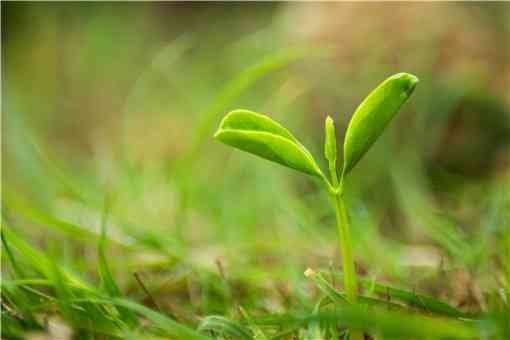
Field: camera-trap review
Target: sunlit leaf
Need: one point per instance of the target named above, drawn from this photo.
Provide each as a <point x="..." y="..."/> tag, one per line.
<point x="330" y="142"/>
<point x="374" y="114"/>
<point x="261" y="136"/>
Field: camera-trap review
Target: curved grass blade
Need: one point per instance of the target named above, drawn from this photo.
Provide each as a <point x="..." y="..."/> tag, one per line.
<point x="16" y="269"/>
<point x="258" y="333"/>
<point x="107" y="278"/>
<point x="314" y="330"/>
<point x="326" y="287"/>
<point x="22" y="206"/>
<point x="380" y="320"/>
<point x="410" y="298"/>
<point x="64" y="296"/>
<point x="336" y="297"/>
<point x="260" y="135"/>
<point x="373" y="115"/>
<point x="172" y="328"/>
<point x="168" y="327"/>
<point x="37" y="259"/>
<point x="225" y="327"/>
<point x="21" y="302"/>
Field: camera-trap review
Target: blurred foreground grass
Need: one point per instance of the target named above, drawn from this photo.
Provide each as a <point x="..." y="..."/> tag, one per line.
<point x="121" y="218"/>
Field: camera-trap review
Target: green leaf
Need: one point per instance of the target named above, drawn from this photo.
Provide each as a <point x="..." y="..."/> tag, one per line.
<point x="373" y="115"/>
<point x="261" y="136"/>
<point x="330" y="148"/>
<point x="330" y="142"/>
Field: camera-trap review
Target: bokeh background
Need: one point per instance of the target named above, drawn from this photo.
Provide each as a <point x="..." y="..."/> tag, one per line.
<point x="112" y="107"/>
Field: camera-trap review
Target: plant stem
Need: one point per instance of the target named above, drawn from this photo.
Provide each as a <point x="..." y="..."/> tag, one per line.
<point x="332" y="172"/>
<point x="350" y="277"/>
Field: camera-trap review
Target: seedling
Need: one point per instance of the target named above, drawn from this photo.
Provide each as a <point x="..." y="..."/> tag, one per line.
<point x="260" y="135"/>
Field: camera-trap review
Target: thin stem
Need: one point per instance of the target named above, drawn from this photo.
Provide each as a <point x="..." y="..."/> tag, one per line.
<point x="350" y="277"/>
<point x="332" y="172"/>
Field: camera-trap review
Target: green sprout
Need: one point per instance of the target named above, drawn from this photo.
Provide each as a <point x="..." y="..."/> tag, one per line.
<point x="260" y="135"/>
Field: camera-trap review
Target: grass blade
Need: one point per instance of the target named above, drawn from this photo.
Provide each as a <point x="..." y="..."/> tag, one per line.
<point x="325" y="287"/>
<point x="107" y="278"/>
<point x="410" y="298"/>
<point x="225" y="327"/>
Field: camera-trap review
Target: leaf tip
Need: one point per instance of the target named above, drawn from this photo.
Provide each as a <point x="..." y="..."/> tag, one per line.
<point x="330" y="141"/>
<point x="408" y="81"/>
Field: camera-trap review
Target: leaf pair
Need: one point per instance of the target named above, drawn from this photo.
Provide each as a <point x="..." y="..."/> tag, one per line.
<point x="260" y="135"/>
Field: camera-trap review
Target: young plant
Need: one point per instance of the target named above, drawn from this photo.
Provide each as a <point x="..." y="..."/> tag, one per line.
<point x="260" y="135"/>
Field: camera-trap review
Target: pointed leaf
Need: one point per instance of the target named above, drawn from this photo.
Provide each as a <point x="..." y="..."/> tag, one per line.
<point x="373" y="115"/>
<point x="330" y="142"/>
<point x="261" y="136"/>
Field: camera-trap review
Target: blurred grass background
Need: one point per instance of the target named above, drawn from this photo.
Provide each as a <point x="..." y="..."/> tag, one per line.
<point x="109" y="109"/>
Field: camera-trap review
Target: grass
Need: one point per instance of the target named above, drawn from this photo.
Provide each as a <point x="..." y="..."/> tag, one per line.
<point x="108" y="244"/>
